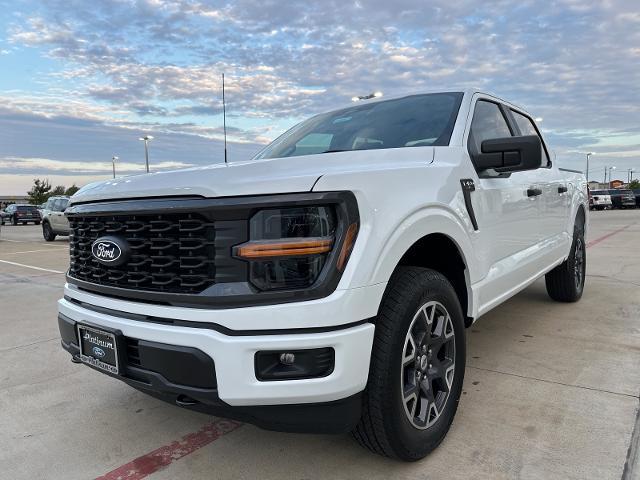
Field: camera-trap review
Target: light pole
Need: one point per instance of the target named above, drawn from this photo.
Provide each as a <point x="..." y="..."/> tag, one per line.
<point x="146" y="139"/>
<point x="630" y="174"/>
<point x="588" y="155"/>
<point x="113" y="162"/>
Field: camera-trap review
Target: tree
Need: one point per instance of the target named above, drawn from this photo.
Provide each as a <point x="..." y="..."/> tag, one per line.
<point x="39" y="192"/>
<point x="634" y="184"/>
<point x="56" y="192"/>
<point x="71" y="190"/>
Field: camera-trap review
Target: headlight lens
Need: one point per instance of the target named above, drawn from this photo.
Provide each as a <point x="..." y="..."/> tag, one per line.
<point x="289" y="247"/>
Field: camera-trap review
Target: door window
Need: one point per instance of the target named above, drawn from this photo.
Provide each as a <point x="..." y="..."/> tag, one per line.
<point x="488" y="123"/>
<point x="527" y="127"/>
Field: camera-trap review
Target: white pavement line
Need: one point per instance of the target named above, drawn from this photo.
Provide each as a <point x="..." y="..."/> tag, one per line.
<point x="14" y="241"/>
<point x="27" y="251"/>
<point x="31" y="266"/>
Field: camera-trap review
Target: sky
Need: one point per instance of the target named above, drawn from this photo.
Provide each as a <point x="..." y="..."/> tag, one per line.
<point x="81" y="81"/>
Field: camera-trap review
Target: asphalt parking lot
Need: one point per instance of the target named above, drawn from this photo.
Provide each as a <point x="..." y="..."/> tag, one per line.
<point x="551" y="390"/>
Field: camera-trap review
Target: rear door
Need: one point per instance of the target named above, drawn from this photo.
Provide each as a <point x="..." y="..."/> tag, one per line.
<point x="55" y="216"/>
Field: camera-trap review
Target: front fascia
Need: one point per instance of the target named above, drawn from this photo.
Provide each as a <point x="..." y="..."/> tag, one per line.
<point x="239" y="292"/>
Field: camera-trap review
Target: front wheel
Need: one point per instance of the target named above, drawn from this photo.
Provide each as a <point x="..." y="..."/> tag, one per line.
<point x="565" y="283"/>
<point x="417" y="366"/>
<point x="47" y="232"/>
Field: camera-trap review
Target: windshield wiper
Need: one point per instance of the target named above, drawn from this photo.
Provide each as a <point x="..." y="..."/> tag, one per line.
<point x="336" y="150"/>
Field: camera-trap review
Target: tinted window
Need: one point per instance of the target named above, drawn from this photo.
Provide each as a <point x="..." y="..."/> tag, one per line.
<point x="488" y="122"/>
<point x="63" y="204"/>
<point x="527" y="127"/>
<point x="414" y="121"/>
<point x="26" y="208"/>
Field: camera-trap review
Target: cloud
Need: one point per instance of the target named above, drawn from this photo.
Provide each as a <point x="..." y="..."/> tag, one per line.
<point x="156" y="64"/>
<point x="46" y="166"/>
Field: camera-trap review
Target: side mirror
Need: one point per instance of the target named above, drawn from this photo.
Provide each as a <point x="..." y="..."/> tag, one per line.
<point x="510" y="154"/>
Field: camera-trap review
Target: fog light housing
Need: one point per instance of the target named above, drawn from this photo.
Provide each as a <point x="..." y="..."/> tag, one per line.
<point x="294" y="364"/>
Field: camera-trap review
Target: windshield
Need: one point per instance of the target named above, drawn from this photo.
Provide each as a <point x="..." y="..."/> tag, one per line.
<point x="414" y="121"/>
<point x="25" y="208"/>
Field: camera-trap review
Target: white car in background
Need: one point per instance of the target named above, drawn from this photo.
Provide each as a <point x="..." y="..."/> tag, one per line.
<point x="54" y="222"/>
<point x="600" y="200"/>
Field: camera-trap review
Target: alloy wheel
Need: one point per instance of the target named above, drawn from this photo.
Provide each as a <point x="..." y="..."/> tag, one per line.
<point x="578" y="262"/>
<point x="428" y="365"/>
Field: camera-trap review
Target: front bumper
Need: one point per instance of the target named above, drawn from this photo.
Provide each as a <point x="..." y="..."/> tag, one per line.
<point x="233" y="357"/>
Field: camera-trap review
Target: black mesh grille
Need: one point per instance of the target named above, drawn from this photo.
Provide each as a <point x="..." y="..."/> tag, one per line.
<point x="170" y="252"/>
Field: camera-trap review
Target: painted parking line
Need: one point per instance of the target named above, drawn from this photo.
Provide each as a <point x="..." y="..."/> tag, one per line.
<point x="160" y="458"/>
<point x="30" y="251"/>
<point x="595" y="241"/>
<point x="31" y="267"/>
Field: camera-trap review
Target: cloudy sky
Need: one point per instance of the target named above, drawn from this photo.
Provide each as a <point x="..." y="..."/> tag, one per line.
<point x="81" y="81"/>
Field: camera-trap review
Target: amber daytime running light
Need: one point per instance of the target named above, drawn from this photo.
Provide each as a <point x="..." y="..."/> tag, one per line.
<point x="302" y="246"/>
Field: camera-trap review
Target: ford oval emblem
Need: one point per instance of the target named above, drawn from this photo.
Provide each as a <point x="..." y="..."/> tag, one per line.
<point x="110" y="250"/>
<point x="98" y="352"/>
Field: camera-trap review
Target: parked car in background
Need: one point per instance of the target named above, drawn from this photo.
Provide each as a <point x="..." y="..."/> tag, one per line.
<point x="636" y="192"/>
<point x="622" y="198"/>
<point x="53" y="220"/>
<point x="599" y="199"/>
<point x="18" y="213"/>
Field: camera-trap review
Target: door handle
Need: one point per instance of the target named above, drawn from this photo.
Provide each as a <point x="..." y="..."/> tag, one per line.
<point x="534" y="192"/>
<point x="562" y="189"/>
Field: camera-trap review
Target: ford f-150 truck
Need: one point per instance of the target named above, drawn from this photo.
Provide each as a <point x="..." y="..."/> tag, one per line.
<point x="325" y="285"/>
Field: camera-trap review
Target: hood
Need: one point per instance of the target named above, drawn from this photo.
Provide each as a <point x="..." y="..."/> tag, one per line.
<point x="256" y="177"/>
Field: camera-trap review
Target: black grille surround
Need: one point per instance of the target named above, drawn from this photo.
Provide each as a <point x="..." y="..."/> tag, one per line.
<point x="170" y="252"/>
<point x="181" y="249"/>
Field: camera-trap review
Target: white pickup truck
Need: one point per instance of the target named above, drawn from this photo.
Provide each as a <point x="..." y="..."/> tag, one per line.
<point x="325" y="285"/>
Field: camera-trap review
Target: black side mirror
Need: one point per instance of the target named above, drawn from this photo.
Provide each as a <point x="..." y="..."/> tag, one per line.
<point x="510" y="154"/>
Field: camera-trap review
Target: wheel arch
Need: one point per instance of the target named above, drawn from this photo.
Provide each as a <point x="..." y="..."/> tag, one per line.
<point x="421" y="239"/>
<point x="439" y="252"/>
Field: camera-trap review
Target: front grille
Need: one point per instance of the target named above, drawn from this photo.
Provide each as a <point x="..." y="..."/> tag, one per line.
<point x="173" y="253"/>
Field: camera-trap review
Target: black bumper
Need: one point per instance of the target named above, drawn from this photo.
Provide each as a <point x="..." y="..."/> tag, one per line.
<point x="185" y="377"/>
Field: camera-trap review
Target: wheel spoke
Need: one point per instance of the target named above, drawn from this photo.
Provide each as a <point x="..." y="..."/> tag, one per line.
<point x="409" y="350"/>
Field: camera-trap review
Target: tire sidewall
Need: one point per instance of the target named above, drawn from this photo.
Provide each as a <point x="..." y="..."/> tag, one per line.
<point x="414" y="442"/>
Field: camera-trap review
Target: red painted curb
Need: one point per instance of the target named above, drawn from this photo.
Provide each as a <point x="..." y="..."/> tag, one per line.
<point x="604" y="237"/>
<point x="164" y="456"/>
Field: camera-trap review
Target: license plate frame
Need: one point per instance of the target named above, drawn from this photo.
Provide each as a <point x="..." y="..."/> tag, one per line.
<point x="99" y="340"/>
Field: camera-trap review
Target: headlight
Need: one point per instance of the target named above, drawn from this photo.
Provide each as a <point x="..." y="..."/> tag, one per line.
<point x="289" y="247"/>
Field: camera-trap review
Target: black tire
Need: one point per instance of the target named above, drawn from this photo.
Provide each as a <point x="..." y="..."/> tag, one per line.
<point x="385" y="426"/>
<point x="37" y="223"/>
<point x="47" y="232"/>
<point x="565" y="283"/>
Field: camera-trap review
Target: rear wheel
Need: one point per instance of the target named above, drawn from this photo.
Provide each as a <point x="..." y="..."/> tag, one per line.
<point x="565" y="283"/>
<point x="417" y="367"/>
<point x="47" y="232"/>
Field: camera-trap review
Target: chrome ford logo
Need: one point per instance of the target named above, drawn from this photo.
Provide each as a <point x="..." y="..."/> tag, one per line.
<point x="110" y="250"/>
<point x="98" y="352"/>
